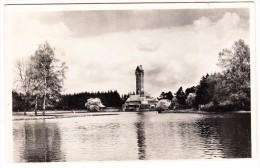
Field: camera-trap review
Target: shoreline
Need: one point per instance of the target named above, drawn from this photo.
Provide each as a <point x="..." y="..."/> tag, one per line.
<point x="56" y="115"/>
<point x="18" y="116"/>
<point x="202" y="112"/>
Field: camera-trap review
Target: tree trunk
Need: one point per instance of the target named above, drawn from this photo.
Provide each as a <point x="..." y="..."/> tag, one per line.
<point x="43" y="107"/>
<point x="35" y="108"/>
<point x="25" y="104"/>
<point x="44" y="96"/>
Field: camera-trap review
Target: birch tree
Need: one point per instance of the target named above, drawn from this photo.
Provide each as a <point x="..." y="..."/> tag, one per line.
<point x="48" y="74"/>
<point x="41" y="77"/>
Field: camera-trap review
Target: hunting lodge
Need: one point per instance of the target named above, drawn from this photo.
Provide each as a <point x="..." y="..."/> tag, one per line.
<point x="141" y="101"/>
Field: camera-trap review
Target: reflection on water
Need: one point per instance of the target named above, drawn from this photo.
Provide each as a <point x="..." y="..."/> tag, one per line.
<point x="233" y="134"/>
<point x="140" y="127"/>
<point x="40" y="142"/>
<point x="132" y="136"/>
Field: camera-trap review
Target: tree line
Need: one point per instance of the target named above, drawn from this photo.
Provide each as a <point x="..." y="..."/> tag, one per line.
<point x="77" y="101"/>
<point x="39" y="82"/>
<point x="223" y="91"/>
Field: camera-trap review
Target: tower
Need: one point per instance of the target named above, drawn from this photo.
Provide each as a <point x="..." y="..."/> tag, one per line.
<point x="139" y="73"/>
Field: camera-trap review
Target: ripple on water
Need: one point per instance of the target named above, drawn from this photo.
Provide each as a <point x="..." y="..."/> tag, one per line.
<point x="133" y="136"/>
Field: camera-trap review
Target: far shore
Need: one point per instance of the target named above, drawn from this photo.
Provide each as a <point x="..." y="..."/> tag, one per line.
<point x="83" y="113"/>
<point x="201" y="111"/>
<point x="56" y="114"/>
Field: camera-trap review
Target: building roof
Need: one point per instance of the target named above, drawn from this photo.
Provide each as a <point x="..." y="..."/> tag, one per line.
<point x="135" y="98"/>
<point x="144" y="102"/>
<point x="139" y="98"/>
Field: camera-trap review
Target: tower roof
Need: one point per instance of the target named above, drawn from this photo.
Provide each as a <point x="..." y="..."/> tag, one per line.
<point x="139" y="68"/>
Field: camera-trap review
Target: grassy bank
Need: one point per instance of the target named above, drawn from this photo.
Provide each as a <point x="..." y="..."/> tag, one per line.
<point x="185" y="111"/>
<point x="69" y="114"/>
<point x="55" y="114"/>
<point x="201" y="111"/>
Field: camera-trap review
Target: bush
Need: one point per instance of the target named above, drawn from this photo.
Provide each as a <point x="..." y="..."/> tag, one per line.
<point x="93" y="104"/>
<point x="163" y="104"/>
<point x="222" y="107"/>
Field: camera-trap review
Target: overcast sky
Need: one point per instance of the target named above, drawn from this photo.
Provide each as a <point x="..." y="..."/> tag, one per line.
<point x="103" y="48"/>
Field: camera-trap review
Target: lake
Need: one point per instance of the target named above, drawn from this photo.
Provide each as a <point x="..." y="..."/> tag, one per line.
<point x="133" y="136"/>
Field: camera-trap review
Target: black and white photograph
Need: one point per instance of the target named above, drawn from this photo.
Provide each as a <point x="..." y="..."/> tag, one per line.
<point x="130" y="82"/>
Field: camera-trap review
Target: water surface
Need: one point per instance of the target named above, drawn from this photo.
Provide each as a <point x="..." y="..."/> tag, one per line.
<point x="133" y="136"/>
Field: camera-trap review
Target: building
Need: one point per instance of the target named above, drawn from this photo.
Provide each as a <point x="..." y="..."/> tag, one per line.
<point x="141" y="101"/>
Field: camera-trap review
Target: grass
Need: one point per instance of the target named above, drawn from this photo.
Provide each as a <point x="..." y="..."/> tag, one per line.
<point x="54" y="115"/>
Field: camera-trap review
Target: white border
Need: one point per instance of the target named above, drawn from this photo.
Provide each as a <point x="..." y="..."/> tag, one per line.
<point x="187" y="163"/>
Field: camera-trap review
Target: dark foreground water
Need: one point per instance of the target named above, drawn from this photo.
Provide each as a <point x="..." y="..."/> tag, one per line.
<point x="133" y="136"/>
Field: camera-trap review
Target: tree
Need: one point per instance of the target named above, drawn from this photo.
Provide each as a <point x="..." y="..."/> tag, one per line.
<point x="169" y="96"/>
<point x="162" y="96"/>
<point x="205" y="91"/>
<point x="77" y="100"/>
<point x="49" y="73"/>
<point x="180" y="95"/>
<point x="23" y="82"/>
<point x="18" y="102"/>
<point x="41" y="76"/>
<point x="175" y="103"/>
<point x="230" y="89"/>
<point x="190" y="101"/>
<point x="236" y="59"/>
<point x="166" y="95"/>
<point x="236" y="70"/>
<point x="190" y="90"/>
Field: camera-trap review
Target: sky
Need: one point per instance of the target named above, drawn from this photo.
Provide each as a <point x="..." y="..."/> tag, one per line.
<point x="102" y="49"/>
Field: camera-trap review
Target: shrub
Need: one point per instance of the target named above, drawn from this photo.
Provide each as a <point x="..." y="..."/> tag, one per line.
<point x="93" y="104"/>
<point x="163" y="104"/>
<point x="221" y="107"/>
